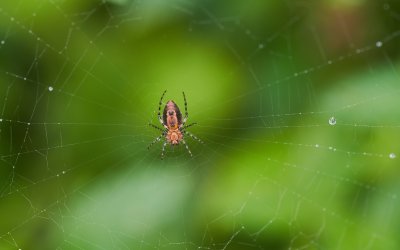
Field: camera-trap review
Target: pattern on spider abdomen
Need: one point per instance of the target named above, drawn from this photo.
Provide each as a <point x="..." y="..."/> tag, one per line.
<point x="172" y="116"/>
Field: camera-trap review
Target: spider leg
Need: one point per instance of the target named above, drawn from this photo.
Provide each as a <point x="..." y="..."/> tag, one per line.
<point x="187" y="126"/>
<point x="187" y="147"/>
<point x="156" y="140"/>
<point x="159" y="109"/>
<point x="193" y="137"/>
<point x="163" y="150"/>
<point x="154" y="126"/>
<point x="186" y="112"/>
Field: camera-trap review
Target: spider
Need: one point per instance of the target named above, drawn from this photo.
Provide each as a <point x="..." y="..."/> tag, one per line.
<point x="174" y="127"/>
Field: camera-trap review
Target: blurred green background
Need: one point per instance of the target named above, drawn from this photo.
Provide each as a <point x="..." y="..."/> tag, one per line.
<point x="297" y="103"/>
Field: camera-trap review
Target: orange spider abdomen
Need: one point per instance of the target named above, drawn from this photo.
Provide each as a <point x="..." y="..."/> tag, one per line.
<point x="172" y="117"/>
<point x="172" y="122"/>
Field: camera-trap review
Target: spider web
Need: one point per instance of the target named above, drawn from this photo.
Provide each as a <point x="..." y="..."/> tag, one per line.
<point x="298" y="112"/>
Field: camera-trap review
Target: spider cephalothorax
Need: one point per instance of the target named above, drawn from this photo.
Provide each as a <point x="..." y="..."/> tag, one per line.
<point x="174" y="136"/>
<point x="174" y="126"/>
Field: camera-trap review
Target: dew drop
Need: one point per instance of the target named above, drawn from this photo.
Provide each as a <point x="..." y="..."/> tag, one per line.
<point x="332" y="121"/>
<point x="261" y="46"/>
<point x="50" y="88"/>
<point x="392" y="155"/>
<point x="3" y="42"/>
<point x="379" y="44"/>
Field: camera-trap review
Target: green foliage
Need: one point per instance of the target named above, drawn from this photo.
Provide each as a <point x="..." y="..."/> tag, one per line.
<point x="81" y="80"/>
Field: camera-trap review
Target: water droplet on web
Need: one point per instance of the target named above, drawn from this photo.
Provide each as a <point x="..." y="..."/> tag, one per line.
<point x="3" y="42"/>
<point x="392" y="155"/>
<point x="12" y="19"/>
<point x="24" y="78"/>
<point x="317" y="145"/>
<point x="379" y="44"/>
<point x="332" y="121"/>
<point x="1" y="120"/>
<point x="50" y="88"/>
